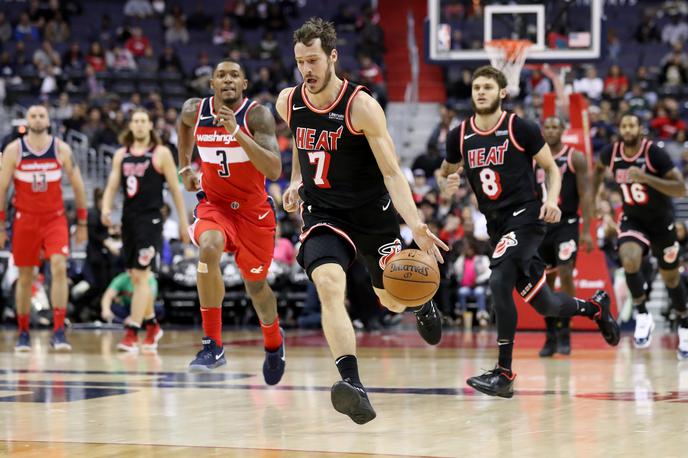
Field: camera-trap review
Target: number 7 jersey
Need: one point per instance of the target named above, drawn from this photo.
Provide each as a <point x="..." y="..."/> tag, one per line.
<point x="640" y="201"/>
<point x="227" y="173"/>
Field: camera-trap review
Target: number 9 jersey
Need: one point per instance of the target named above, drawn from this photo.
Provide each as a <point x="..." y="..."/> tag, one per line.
<point x="227" y="173"/>
<point x="497" y="162"/>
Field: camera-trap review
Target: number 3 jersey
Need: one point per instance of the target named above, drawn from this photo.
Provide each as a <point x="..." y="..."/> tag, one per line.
<point x="227" y="173"/>
<point x="498" y="162"/>
<point x="37" y="179"/>
<point x="640" y="201"/>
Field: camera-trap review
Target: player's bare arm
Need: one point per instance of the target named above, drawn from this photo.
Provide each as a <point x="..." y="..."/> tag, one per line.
<point x="671" y="184"/>
<point x="290" y="199"/>
<point x="586" y="197"/>
<point x="169" y="170"/>
<point x="9" y="164"/>
<point x="451" y="173"/>
<point x="74" y="175"/>
<point x="187" y="122"/>
<point x="111" y="188"/>
<point x="549" y="212"/>
<point x="367" y="116"/>
<point x="262" y="149"/>
<point x="597" y="178"/>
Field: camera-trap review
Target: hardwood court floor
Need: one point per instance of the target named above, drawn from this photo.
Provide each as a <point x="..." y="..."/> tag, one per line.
<point x="96" y="402"/>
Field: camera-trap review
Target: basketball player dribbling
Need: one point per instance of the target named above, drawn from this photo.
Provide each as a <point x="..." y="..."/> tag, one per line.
<point x="238" y="149"/>
<point x="345" y="174"/>
<point x="496" y="149"/>
<point x="141" y="167"/>
<point x="37" y="162"/>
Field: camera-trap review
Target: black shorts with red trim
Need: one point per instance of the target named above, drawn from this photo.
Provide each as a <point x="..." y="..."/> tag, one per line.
<point x="142" y="241"/>
<point x="516" y="236"/>
<point x="560" y="245"/>
<point x="657" y="236"/>
<point x="371" y="230"/>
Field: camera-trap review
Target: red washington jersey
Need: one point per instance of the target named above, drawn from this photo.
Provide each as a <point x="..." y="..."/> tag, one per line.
<point x="227" y="172"/>
<point x="37" y="179"/>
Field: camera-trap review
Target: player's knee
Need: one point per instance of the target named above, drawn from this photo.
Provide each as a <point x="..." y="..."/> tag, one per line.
<point x="631" y="264"/>
<point x="25" y="276"/>
<point x="671" y="277"/>
<point x="330" y="281"/>
<point x="257" y="288"/>
<point x="211" y="246"/>
<point x="631" y="255"/>
<point x="58" y="266"/>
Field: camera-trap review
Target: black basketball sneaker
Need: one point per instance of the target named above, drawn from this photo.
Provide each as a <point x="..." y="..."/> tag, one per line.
<point x="429" y="323"/>
<point x="497" y="382"/>
<point x="352" y="400"/>
<point x="604" y="319"/>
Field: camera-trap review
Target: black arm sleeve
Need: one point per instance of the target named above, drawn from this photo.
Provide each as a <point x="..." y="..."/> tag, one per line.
<point x="528" y="135"/>
<point x="660" y="160"/>
<point x="453" y="155"/>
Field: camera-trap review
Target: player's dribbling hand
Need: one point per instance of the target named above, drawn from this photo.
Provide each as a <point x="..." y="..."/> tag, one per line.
<point x="105" y="219"/>
<point x="550" y="213"/>
<point x="81" y="233"/>
<point x="586" y="242"/>
<point x="636" y="174"/>
<point x="190" y="181"/>
<point x="429" y="242"/>
<point x="290" y="198"/>
<point x="226" y="118"/>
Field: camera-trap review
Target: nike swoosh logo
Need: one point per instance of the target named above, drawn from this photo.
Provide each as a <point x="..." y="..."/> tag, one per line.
<point x="385" y="207"/>
<point x="295" y="108"/>
<point x="572" y="220"/>
<point x="156" y="220"/>
<point x="222" y="353"/>
<point x="203" y="118"/>
<point x="264" y="215"/>
<point x="466" y="137"/>
<point x="518" y="212"/>
<point x="671" y="226"/>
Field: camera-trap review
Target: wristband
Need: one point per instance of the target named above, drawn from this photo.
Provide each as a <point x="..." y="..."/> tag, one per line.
<point x="184" y="169"/>
<point x="81" y="214"/>
<point x="236" y="129"/>
<point x="3" y="215"/>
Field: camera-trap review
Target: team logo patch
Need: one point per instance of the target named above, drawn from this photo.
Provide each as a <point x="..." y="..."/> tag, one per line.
<point x="388" y="250"/>
<point x="146" y="255"/>
<point x="505" y="242"/>
<point x="257" y="270"/>
<point x="567" y="249"/>
<point x="671" y="253"/>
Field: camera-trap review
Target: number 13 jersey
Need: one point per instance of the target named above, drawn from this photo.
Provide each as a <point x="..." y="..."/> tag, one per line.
<point x="497" y="162"/>
<point x="227" y="173"/>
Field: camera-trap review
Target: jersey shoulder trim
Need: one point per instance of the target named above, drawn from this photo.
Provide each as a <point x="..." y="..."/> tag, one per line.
<point x="199" y="110"/>
<point x="647" y="157"/>
<point x="612" y="158"/>
<point x="462" y="132"/>
<point x="342" y="90"/>
<point x="485" y="133"/>
<point x="290" y="101"/>
<point x="347" y="112"/>
<point x="569" y="159"/>
<point x="510" y="128"/>
<point x="637" y="155"/>
<point x="252" y="104"/>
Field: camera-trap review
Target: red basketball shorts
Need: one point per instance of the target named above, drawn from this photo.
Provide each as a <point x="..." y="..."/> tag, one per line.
<point x="34" y="234"/>
<point x="249" y="232"/>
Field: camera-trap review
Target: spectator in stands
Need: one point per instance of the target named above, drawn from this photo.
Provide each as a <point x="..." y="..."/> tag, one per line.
<point x="199" y="19"/>
<point x="371" y="38"/>
<point x="345" y="19"/>
<point x="284" y="248"/>
<point x="138" y="42"/>
<point x="675" y="31"/>
<point x="105" y="33"/>
<point x="25" y="30"/>
<point x="676" y="52"/>
<point x="591" y="84"/>
<point x="275" y="19"/>
<point x="175" y="13"/>
<point x="420" y="186"/>
<point x="57" y="30"/>
<point x="177" y="33"/>
<point x="138" y="8"/>
<point x="148" y="64"/>
<point x="170" y="62"/>
<point x="370" y="75"/>
<point x="48" y="74"/>
<point x="73" y="58"/>
<point x="63" y="110"/>
<point x="646" y="81"/>
<point x="46" y="56"/>
<point x="96" y="58"/>
<point x="667" y="124"/>
<point x="538" y="83"/>
<point x="616" y="83"/>
<point x="78" y="118"/>
<point x="461" y="89"/>
<point x="674" y="73"/>
<point x="121" y="60"/>
<point x="647" y="31"/>
<point x="93" y="126"/>
<point x="201" y="74"/>
<point x="5" y="28"/>
<point x="263" y="87"/>
<point x="268" y="46"/>
<point x="640" y="102"/>
<point x="226" y="33"/>
<point x="472" y="274"/>
<point x="438" y="138"/>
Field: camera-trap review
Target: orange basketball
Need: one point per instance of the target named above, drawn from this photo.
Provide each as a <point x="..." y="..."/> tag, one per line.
<point x="411" y="277"/>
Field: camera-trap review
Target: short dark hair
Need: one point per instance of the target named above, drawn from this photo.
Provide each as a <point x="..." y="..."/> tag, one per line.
<point x="314" y="28"/>
<point x="231" y="61"/>
<point x="632" y="115"/>
<point x="488" y="71"/>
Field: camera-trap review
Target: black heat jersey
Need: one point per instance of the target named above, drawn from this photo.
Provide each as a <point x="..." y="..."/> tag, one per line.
<point x="142" y="185"/>
<point x="568" y="197"/>
<point x="337" y="165"/>
<point x="498" y="162"/>
<point x="640" y="201"/>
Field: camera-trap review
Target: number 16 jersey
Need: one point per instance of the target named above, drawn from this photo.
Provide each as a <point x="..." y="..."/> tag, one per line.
<point x="497" y="162"/>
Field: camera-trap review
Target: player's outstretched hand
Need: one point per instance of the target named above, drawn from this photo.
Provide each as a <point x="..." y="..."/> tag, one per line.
<point x="452" y="184"/>
<point x="550" y="213"/>
<point x="290" y="198"/>
<point x="429" y="242"/>
<point x="586" y="242"/>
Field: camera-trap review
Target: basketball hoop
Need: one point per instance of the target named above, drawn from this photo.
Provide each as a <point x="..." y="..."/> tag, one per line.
<point x="509" y="56"/>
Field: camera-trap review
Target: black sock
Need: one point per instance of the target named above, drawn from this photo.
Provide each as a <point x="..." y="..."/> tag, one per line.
<point x="551" y="304"/>
<point x="347" y="366"/>
<point x="677" y="296"/>
<point x="506" y="350"/>
<point x="150" y="322"/>
<point x="133" y="327"/>
<point x="641" y="308"/>
<point x="564" y="323"/>
<point x="636" y="285"/>
<point x="422" y="309"/>
<point x="551" y="324"/>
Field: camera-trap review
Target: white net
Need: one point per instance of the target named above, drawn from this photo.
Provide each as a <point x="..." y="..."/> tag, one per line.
<point x="509" y="56"/>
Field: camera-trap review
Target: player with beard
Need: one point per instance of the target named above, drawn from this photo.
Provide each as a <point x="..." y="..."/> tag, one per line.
<point x="496" y="149"/>
<point x="36" y="163"/>
<point x="345" y="172"/>
<point x="560" y="246"/>
<point x="238" y="150"/>
<point x="648" y="180"/>
<point x="142" y="166"/>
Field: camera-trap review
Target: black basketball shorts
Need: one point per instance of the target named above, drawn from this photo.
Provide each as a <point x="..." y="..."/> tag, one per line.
<point x="372" y="232"/>
<point x="560" y="245"/>
<point x="658" y="236"/>
<point x="141" y="241"/>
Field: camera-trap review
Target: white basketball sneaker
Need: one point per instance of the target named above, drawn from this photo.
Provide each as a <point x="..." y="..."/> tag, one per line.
<point x="644" y="324"/>
<point x="682" y="352"/>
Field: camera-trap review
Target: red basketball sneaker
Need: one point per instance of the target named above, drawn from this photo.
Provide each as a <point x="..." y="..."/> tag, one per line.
<point x="153" y="335"/>
<point x="129" y="342"/>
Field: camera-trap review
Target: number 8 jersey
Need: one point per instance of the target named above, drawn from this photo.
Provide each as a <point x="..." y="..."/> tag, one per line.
<point x="227" y="173"/>
<point x="640" y="201"/>
<point x="497" y="162"/>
